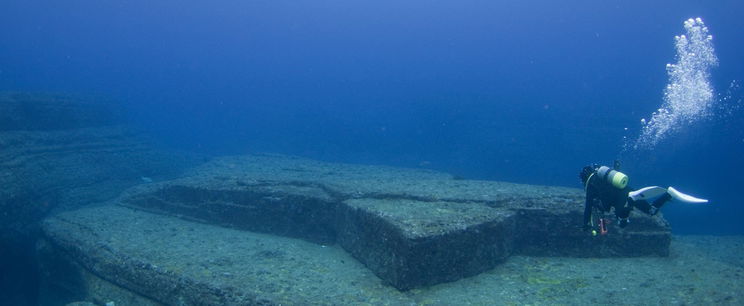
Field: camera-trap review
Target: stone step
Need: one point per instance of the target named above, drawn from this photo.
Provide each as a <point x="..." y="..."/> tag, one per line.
<point x="412" y="243"/>
<point x="41" y="171"/>
<point x="113" y="253"/>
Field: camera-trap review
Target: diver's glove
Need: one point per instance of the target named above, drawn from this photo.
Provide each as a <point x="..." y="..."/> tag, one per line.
<point x="623" y="222"/>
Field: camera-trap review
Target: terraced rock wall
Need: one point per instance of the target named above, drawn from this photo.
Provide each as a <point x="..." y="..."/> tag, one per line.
<point x="58" y="153"/>
<point x="61" y="153"/>
<point x="411" y="227"/>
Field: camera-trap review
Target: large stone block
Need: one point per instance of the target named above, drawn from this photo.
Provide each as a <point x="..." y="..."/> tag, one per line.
<point x="413" y="243"/>
<point x="288" y="210"/>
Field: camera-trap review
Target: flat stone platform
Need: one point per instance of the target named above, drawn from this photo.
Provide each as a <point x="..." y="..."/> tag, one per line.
<point x="129" y="257"/>
<point x="410" y="227"/>
<point x="157" y="259"/>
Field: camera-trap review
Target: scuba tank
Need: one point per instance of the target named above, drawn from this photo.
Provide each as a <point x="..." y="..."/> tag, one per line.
<point x="612" y="176"/>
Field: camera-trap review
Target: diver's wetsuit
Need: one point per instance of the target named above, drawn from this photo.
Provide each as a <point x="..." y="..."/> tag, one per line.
<point x="601" y="194"/>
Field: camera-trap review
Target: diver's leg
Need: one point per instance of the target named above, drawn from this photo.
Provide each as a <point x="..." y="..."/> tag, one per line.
<point x="642" y="205"/>
<point x="652" y="208"/>
<point x="658" y="203"/>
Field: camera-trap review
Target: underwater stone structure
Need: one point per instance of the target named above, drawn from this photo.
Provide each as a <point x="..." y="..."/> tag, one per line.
<point x="57" y="152"/>
<point x="411" y="228"/>
<point x="60" y="152"/>
<point x="25" y="111"/>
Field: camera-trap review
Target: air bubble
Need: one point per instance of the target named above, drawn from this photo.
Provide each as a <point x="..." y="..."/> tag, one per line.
<point x="689" y="94"/>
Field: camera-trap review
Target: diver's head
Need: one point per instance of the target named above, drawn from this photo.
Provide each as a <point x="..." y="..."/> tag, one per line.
<point x="586" y="172"/>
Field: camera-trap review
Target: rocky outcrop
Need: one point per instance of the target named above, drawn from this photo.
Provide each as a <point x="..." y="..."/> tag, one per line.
<point x="412" y="228"/>
<point x="171" y="261"/>
<point x="23" y="111"/>
<point x="59" y="153"/>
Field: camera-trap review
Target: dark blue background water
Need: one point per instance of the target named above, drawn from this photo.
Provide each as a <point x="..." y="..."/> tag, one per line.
<point x="526" y="92"/>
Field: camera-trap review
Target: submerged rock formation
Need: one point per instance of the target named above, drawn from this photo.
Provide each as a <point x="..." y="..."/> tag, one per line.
<point x="58" y="153"/>
<point x="411" y="228"/>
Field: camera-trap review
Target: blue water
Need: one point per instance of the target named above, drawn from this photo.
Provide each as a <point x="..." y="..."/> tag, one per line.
<point x="527" y="92"/>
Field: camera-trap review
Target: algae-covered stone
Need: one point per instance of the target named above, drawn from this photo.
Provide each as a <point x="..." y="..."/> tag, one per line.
<point x="177" y="262"/>
<point x="411" y="227"/>
<point x="413" y="243"/>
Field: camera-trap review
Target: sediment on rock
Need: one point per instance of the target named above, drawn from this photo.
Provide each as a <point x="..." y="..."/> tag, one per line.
<point x="172" y="261"/>
<point x="411" y="227"/>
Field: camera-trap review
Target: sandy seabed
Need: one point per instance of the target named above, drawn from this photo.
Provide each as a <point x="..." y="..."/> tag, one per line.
<point x="701" y="270"/>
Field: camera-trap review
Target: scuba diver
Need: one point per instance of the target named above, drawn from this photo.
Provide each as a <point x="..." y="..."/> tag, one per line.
<point x="607" y="188"/>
